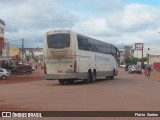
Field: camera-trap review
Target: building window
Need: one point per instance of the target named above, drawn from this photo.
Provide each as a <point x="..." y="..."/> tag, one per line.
<point x="1" y="43"/>
<point x="0" y="52"/>
<point x="1" y="30"/>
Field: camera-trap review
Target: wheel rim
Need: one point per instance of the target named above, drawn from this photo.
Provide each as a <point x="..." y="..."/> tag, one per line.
<point x="88" y="77"/>
<point x="94" y="77"/>
<point x="3" y="77"/>
<point x="61" y="81"/>
<point x="88" y="80"/>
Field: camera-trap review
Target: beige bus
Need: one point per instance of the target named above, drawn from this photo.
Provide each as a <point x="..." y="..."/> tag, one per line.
<point x="69" y="56"/>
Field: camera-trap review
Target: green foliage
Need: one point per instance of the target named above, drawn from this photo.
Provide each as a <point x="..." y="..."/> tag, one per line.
<point x="131" y="60"/>
<point x="145" y="59"/>
<point x="27" y="58"/>
<point x="127" y="60"/>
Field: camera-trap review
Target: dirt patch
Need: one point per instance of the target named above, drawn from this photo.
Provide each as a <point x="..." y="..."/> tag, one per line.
<point x="20" y="78"/>
<point x="6" y="107"/>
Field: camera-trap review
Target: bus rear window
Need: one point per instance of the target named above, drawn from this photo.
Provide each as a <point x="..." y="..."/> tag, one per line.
<point x="58" y="41"/>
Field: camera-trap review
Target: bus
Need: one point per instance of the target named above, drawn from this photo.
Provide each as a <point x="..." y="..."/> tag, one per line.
<point x="70" y="56"/>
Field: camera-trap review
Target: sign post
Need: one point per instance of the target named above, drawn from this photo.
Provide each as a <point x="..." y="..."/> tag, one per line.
<point x="139" y="46"/>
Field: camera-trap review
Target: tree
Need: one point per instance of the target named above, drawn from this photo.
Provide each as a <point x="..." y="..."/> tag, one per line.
<point x="131" y="60"/>
<point x="127" y="60"/>
<point x="134" y="60"/>
<point x="27" y="58"/>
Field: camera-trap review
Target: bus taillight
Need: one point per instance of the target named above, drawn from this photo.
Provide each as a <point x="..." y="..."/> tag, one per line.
<point x="45" y="69"/>
<point x="75" y="66"/>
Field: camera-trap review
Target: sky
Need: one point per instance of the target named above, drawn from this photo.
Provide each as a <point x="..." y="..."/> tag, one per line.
<point x="119" y="22"/>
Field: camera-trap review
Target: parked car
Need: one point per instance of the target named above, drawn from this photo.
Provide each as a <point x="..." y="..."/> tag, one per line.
<point x="4" y="74"/>
<point x="22" y="69"/>
<point x="135" y="69"/>
<point x="123" y="66"/>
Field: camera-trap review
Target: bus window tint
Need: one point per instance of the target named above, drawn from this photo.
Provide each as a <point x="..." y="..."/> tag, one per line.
<point x="58" y="41"/>
<point x="90" y="44"/>
<point x="113" y="49"/>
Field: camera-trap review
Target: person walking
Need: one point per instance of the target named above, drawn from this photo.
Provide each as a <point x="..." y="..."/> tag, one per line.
<point x="149" y="71"/>
<point x="145" y="72"/>
<point x="36" y="67"/>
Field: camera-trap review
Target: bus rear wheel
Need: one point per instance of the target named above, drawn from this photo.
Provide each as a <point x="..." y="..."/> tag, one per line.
<point x="112" y="77"/>
<point x="70" y="81"/>
<point x="93" y="77"/>
<point x="61" y="81"/>
<point x="89" y="77"/>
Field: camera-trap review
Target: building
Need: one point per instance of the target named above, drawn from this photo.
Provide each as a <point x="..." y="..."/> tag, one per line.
<point x="127" y="51"/>
<point x="33" y="53"/>
<point x="151" y="52"/>
<point x="2" y="25"/>
<point x="147" y="49"/>
<point x="153" y="57"/>
<point x="122" y="54"/>
<point x="4" y="46"/>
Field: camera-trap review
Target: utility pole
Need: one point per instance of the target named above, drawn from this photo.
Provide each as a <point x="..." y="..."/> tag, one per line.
<point x="148" y="56"/>
<point x="22" y="49"/>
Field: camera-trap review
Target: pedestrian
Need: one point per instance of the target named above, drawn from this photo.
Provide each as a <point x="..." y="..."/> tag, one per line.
<point x="36" y="67"/>
<point x="149" y="71"/>
<point x="145" y="72"/>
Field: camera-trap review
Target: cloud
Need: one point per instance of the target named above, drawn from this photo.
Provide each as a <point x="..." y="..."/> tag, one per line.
<point x="112" y="21"/>
<point x="29" y="19"/>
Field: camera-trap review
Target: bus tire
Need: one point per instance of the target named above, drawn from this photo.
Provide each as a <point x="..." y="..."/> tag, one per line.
<point x="89" y="77"/>
<point x="70" y="81"/>
<point x="112" y="77"/>
<point x="61" y="81"/>
<point x="93" y="77"/>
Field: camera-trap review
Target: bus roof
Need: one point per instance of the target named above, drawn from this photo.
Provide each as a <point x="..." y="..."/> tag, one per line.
<point x="71" y="31"/>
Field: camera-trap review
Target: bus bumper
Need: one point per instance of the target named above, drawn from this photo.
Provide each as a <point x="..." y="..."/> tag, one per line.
<point x="61" y="76"/>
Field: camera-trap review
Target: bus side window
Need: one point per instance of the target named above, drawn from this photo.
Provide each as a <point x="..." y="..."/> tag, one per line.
<point x="95" y="46"/>
<point x="85" y="44"/>
<point x="80" y="42"/>
<point x="114" y="50"/>
<point x="90" y="45"/>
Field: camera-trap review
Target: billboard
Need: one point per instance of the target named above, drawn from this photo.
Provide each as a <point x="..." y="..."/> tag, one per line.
<point x="13" y="52"/>
<point x="138" y="46"/>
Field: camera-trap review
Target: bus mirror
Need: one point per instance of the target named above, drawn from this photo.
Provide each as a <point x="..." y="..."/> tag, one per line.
<point x="118" y="52"/>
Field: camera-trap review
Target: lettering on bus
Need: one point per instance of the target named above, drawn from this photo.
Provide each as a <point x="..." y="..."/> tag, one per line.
<point x="59" y="62"/>
<point x="101" y="58"/>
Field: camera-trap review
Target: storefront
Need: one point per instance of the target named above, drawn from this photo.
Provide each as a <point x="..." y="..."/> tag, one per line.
<point x="4" y="46"/>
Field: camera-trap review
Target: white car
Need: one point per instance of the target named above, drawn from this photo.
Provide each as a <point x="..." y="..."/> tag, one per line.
<point x="135" y="69"/>
<point x="4" y="74"/>
<point x="123" y="66"/>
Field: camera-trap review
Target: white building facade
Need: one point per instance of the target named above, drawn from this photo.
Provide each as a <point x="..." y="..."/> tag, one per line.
<point x="2" y="25"/>
<point x="122" y="54"/>
<point x="4" y="46"/>
<point x="152" y="52"/>
<point x="147" y="49"/>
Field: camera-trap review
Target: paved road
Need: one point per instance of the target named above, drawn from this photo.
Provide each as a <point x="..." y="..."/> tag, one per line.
<point x="125" y="92"/>
<point x="131" y="92"/>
